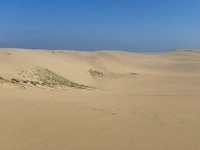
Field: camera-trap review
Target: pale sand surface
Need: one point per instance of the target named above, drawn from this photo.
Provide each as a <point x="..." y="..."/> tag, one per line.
<point x="156" y="108"/>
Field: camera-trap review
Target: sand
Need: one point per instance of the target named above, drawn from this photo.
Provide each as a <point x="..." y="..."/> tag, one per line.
<point x="141" y="101"/>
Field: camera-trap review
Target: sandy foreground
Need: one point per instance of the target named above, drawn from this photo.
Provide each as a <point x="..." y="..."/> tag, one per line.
<point x="110" y="100"/>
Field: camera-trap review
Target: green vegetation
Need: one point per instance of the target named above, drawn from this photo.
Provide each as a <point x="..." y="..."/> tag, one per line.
<point x="25" y="81"/>
<point x="111" y="75"/>
<point x="133" y="73"/>
<point x="1" y="80"/>
<point x="13" y="80"/>
<point x="46" y="78"/>
<point x="96" y="73"/>
<point x="54" y="80"/>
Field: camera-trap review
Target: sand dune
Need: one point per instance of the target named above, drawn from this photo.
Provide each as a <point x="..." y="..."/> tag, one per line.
<point x="99" y="100"/>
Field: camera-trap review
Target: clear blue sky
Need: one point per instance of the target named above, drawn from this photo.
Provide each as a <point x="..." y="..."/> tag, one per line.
<point x="133" y="25"/>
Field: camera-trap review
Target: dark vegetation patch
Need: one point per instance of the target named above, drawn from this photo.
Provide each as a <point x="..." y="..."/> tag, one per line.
<point x="111" y="75"/>
<point x="96" y="73"/>
<point x="13" y="80"/>
<point x="25" y="81"/>
<point x="133" y="73"/>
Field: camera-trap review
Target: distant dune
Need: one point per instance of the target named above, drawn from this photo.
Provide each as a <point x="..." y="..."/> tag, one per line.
<point x="92" y="69"/>
<point x="108" y="100"/>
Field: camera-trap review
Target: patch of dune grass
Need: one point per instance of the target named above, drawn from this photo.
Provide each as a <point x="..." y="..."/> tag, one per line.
<point x="2" y="80"/>
<point x="96" y="73"/>
<point x="51" y="79"/>
<point x="13" y="81"/>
